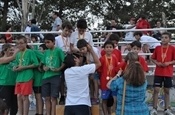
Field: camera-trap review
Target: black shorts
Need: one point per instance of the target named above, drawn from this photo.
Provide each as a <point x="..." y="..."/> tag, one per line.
<point x="37" y="89"/>
<point x="50" y="86"/>
<point x="165" y="81"/>
<point x="77" y="110"/>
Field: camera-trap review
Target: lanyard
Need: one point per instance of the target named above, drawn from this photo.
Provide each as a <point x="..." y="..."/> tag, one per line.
<point x="65" y="42"/>
<point x="163" y="54"/>
<point x="109" y="67"/>
<point x="21" y="57"/>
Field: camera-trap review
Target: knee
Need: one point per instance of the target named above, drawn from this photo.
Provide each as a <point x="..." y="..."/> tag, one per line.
<point x="25" y="98"/>
<point x="166" y="91"/>
<point x="47" y="98"/>
<point x="156" y="90"/>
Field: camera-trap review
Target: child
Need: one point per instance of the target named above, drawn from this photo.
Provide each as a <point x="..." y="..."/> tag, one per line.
<point x="136" y="47"/>
<point x="53" y="59"/>
<point x="37" y="80"/>
<point x="82" y="46"/>
<point x="34" y="39"/>
<point x="136" y="85"/>
<point x="164" y="58"/>
<point x="63" y="41"/>
<point x="25" y="62"/>
<point x="77" y="81"/>
<point x="80" y="34"/>
<point x="114" y="39"/>
<point x="8" y="78"/>
<point x="107" y="71"/>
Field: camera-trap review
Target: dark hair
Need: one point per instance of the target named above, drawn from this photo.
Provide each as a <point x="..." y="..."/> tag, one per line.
<point x="108" y="42"/>
<point x="81" y="43"/>
<point x="136" y="43"/>
<point x="138" y="33"/>
<point x="56" y="13"/>
<point x="134" y="74"/>
<point x="35" y="37"/>
<point x="33" y="21"/>
<point x="67" y="25"/>
<point x="8" y="27"/>
<point x="5" y="47"/>
<point x="43" y="46"/>
<point x="113" y="37"/>
<point x="23" y="38"/>
<point x="132" y="57"/>
<point x="82" y="24"/>
<point x="167" y="33"/>
<point x="50" y="37"/>
<point x="3" y="38"/>
<point x="69" y="59"/>
<point x="3" y="107"/>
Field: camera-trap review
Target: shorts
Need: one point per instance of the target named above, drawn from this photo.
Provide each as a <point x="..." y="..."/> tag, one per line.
<point x="37" y="89"/>
<point x="95" y="76"/>
<point x="51" y="86"/>
<point x="77" y="110"/>
<point x="167" y="81"/>
<point x="106" y="94"/>
<point x="24" y="88"/>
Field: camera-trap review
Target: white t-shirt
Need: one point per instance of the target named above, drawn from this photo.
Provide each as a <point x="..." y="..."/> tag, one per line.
<point x="130" y="34"/>
<point x="57" y="22"/>
<point x="77" y="82"/>
<point x="89" y="56"/>
<point x="145" y="38"/>
<point x="63" y="43"/>
<point x="75" y="37"/>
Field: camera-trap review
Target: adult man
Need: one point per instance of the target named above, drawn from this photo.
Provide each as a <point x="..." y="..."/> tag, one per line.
<point x="56" y="25"/>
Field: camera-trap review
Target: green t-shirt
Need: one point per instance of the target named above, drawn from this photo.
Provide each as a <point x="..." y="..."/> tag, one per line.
<point x="7" y="75"/>
<point x="37" y="78"/>
<point x="53" y="59"/>
<point x="26" y="58"/>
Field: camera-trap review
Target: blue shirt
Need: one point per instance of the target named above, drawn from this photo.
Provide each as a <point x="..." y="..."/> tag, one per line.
<point x="134" y="98"/>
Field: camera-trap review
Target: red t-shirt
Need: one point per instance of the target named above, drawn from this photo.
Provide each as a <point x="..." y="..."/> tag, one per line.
<point x="116" y="52"/>
<point x="170" y="56"/>
<point x="8" y="38"/>
<point x="142" y="61"/>
<point x="103" y="70"/>
<point x="143" y="24"/>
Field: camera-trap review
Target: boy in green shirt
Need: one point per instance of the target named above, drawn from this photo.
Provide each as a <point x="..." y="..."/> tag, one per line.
<point x="53" y="59"/>
<point x="25" y="60"/>
<point x="37" y="80"/>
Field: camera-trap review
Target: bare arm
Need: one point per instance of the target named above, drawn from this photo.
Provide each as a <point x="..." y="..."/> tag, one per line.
<point x="4" y="60"/>
<point x="95" y="57"/>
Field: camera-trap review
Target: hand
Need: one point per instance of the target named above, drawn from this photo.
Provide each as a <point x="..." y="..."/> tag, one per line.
<point x="45" y="68"/>
<point x="89" y="48"/>
<point x="54" y="69"/>
<point x="160" y="64"/>
<point x="18" y="68"/>
<point x="120" y="72"/>
<point x="39" y="69"/>
<point x="165" y="64"/>
<point x="16" y="50"/>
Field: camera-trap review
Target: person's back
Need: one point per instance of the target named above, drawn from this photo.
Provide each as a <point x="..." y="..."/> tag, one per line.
<point x="135" y="92"/>
<point x="134" y="96"/>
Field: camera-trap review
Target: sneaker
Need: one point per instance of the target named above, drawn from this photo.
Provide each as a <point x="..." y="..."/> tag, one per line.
<point x="153" y="112"/>
<point x="168" y="112"/>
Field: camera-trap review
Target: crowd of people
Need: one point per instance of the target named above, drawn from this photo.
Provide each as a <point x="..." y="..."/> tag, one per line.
<point x="68" y="66"/>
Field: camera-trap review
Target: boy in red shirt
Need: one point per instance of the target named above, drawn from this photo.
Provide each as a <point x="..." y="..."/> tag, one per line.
<point x="164" y="58"/>
<point x="107" y="71"/>
<point x="136" y="47"/>
<point x="114" y="39"/>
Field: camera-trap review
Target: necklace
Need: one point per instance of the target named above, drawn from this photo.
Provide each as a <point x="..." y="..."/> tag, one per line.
<point x="163" y="54"/>
<point x="21" y="57"/>
<point x="109" y="67"/>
